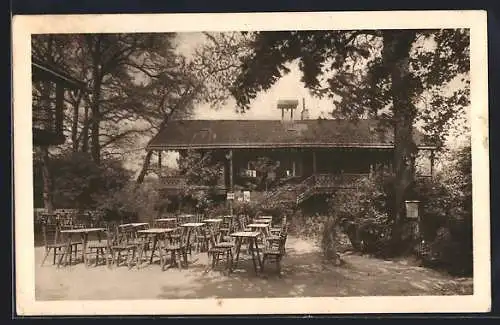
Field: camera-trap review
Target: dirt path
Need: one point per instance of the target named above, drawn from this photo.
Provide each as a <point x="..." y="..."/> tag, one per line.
<point x="303" y="275"/>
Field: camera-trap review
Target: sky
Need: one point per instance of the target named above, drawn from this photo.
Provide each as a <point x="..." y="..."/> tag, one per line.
<point x="264" y="106"/>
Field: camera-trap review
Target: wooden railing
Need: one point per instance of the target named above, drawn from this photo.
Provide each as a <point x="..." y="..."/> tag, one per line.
<point x="173" y="181"/>
<point x="320" y="183"/>
<point x="179" y="182"/>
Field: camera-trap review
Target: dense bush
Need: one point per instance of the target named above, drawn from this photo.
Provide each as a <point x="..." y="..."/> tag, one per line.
<point x="131" y="203"/>
<point x="78" y="182"/>
<point x="307" y="226"/>
<point x="362" y="213"/>
<point x="246" y="208"/>
<point x="446" y="210"/>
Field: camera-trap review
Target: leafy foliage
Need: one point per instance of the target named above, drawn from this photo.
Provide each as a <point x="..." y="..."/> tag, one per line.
<point x="200" y="168"/>
<point x="80" y="183"/>
<point x="265" y="169"/>
<point x="446" y="209"/>
<point x="131" y="203"/>
<point x="362" y="212"/>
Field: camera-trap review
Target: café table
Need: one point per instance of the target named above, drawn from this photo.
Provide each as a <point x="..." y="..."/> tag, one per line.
<point x="164" y="221"/>
<point x="214" y="220"/>
<point x="253" y="248"/>
<point x="155" y="233"/>
<point x="134" y="225"/>
<point x="84" y="235"/>
<point x="263" y="227"/>
<point x="184" y="216"/>
<point x="266" y="221"/>
<point x="188" y="229"/>
<point x="214" y="223"/>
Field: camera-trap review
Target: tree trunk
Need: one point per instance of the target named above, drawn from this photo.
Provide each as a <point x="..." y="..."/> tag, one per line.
<point x="74" y="124"/>
<point x="144" y="169"/>
<point x="96" y="119"/>
<point x="85" y="130"/>
<point x="47" y="180"/>
<point x="396" y="53"/>
<point x="97" y="75"/>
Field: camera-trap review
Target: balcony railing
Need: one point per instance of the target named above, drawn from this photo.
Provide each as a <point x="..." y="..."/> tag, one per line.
<point x="180" y="182"/>
<point x="323" y="183"/>
<point x="336" y="180"/>
<point x="173" y="181"/>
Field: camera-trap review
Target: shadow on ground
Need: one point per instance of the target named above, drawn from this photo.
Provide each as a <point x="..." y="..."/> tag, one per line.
<point x="303" y="275"/>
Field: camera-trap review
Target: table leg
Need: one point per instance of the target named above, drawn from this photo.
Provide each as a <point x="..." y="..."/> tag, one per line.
<point x="153" y="249"/>
<point x="258" y="254"/>
<point x="253" y="242"/>
<point x="142" y="247"/>
<point x="84" y="240"/>
<point x="188" y="241"/>
<point x="238" y="247"/>
<point x="63" y="253"/>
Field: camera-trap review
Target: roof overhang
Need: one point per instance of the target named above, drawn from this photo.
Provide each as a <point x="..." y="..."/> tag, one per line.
<point x="277" y="145"/>
<point x="41" y="71"/>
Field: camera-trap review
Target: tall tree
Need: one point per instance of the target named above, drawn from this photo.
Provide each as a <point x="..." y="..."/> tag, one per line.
<point x="381" y="74"/>
<point x="201" y="77"/>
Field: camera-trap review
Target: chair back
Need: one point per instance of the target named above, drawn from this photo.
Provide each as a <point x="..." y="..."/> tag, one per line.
<point x="126" y="234"/>
<point x="51" y="233"/>
<point x="212" y="237"/>
<point x="242" y="222"/>
<point x="227" y="223"/>
<point x="111" y="236"/>
<point x="183" y="239"/>
<point x="282" y="243"/>
<point x="81" y="220"/>
<point x="284" y="224"/>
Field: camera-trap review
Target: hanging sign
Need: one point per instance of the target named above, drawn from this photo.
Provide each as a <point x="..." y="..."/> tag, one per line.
<point x="246" y="196"/>
<point x="412" y="209"/>
<point x="230" y="195"/>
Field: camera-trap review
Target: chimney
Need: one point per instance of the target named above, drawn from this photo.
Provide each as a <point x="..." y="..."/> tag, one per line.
<point x="304" y="115"/>
<point x="287" y="105"/>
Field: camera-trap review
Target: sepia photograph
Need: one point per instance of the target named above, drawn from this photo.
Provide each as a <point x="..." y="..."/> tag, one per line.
<point x="251" y="163"/>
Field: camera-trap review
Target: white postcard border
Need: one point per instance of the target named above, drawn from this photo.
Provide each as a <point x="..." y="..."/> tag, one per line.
<point x="25" y="26"/>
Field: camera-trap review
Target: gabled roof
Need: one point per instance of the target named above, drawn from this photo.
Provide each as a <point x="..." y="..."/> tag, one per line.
<point x="321" y="133"/>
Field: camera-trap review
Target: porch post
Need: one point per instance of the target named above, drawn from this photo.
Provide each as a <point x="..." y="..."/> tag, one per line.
<point x="59" y="108"/>
<point x="159" y="159"/>
<point x="231" y="179"/>
<point x="432" y="163"/>
<point x="314" y="162"/>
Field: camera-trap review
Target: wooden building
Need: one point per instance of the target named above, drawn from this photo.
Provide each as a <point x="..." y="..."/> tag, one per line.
<point x="316" y="156"/>
<point x="50" y="85"/>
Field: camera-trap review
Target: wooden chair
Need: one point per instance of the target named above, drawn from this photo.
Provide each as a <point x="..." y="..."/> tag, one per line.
<point x="226" y="227"/>
<point x="242" y="222"/>
<point x="127" y="244"/>
<point x="275" y="254"/>
<point x="102" y="249"/>
<point x="278" y="230"/>
<point x="217" y="249"/>
<point x="54" y="242"/>
<point x="178" y="252"/>
<point x="202" y="239"/>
